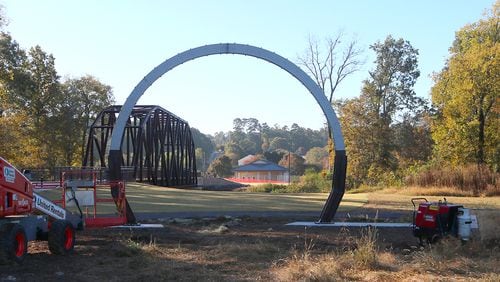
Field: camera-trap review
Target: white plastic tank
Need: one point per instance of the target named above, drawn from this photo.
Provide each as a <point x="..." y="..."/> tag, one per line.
<point x="464" y="224"/>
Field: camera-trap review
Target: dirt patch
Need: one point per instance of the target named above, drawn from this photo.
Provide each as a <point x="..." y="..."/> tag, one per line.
<point x="223" y="249"/>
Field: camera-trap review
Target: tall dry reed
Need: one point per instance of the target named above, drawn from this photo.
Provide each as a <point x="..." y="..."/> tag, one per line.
<point x="478" y="179"/>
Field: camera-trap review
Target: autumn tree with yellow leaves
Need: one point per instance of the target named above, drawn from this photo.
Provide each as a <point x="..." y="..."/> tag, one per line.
<point x="467" y="93"/>
<point x="43" y="120"/>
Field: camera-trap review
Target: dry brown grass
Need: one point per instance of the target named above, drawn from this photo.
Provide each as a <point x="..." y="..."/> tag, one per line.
<point x="345" y="264"/>
<point x="400" y="199"/>
<point x="490" y="191"/>
<point x="488" y="220"/>
<point x="258" y="250"/>
<point x="476" y="179"/>
<point x="319" y="268"/>
<point x="434" y="191"/>
<point x="474" y="260"/>
<point x="365" y="253"/>
<point x="336" y="267"/>
<point x="447" y="260"/>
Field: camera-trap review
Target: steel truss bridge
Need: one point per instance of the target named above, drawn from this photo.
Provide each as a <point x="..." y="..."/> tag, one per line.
<point x="157" y="146"/>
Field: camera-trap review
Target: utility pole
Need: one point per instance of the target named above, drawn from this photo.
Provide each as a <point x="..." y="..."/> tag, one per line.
<point x="289" y="173"/>
<point x="289" y="157"/>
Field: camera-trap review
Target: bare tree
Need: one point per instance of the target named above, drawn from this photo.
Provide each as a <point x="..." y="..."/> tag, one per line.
<point x="331" y="64"/>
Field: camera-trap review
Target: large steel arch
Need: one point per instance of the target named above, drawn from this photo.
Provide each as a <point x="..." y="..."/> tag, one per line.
<point x="338" y="183"/>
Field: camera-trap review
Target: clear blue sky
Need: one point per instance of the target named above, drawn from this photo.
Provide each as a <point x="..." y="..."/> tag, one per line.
<point x="120" y="41"/>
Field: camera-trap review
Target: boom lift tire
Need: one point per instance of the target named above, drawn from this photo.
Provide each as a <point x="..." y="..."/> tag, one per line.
<point x="13" y="243"/>
<point x="61" y="237"/>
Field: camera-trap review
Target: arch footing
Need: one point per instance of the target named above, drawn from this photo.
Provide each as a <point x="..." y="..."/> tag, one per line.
<point x="338" y="187"/>
<point x="114" y="173"/>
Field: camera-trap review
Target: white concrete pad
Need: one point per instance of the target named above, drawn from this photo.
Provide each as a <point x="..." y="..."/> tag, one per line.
<point x="351" y="224"/>
<point x="140" y="225"/>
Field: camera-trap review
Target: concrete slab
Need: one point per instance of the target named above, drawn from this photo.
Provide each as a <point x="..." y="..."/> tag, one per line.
<point x="352" y="224"/>
<point x="139" y="226"/>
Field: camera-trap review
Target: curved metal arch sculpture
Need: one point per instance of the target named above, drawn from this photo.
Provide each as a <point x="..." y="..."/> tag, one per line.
<point x="158" y="146"/>
<point x="340" y="164"/>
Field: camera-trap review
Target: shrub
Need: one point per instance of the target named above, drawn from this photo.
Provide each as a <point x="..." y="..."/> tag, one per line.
<point x="316" y="181"/>
<point x="301" y="188"/>
<point x="267" y="188"/>
<point x="311" y="182"/>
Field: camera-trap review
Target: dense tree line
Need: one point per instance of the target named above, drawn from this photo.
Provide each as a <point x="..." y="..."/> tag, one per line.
<point x="43" y="119"/>
<point x="250" y="137"/>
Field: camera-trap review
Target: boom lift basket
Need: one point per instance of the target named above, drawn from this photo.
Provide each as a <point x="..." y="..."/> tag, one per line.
<point x="101" y="203"/>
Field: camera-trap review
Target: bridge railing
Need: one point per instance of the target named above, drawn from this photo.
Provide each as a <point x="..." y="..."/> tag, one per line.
<point x="51" y="178"/>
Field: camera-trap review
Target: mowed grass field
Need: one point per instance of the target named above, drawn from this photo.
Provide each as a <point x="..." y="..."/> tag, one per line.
<point x="146" y="198"/>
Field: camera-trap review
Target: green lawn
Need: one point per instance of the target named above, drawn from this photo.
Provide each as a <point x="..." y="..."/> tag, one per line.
<point x="148" y="198"/>
<point x="145" y="198"/>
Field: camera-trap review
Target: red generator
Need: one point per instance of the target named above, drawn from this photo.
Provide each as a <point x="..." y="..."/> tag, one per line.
<point x="435" y="220"/>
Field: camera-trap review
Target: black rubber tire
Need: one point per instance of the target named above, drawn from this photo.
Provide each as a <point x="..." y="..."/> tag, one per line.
<point x="61" y="237"/>
<point x="434" y="239"/>
<point x="421" y="241"/>
<point x="13" y="243"/>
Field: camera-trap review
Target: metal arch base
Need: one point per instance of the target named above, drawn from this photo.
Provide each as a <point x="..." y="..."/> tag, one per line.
<point x="338" y="185"/>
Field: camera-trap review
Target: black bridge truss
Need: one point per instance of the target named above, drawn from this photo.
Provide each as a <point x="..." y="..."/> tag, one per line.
<point x="157" y="146"/>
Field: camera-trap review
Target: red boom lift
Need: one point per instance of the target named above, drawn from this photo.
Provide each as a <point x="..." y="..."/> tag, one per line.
<point x="25" y="215"/>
